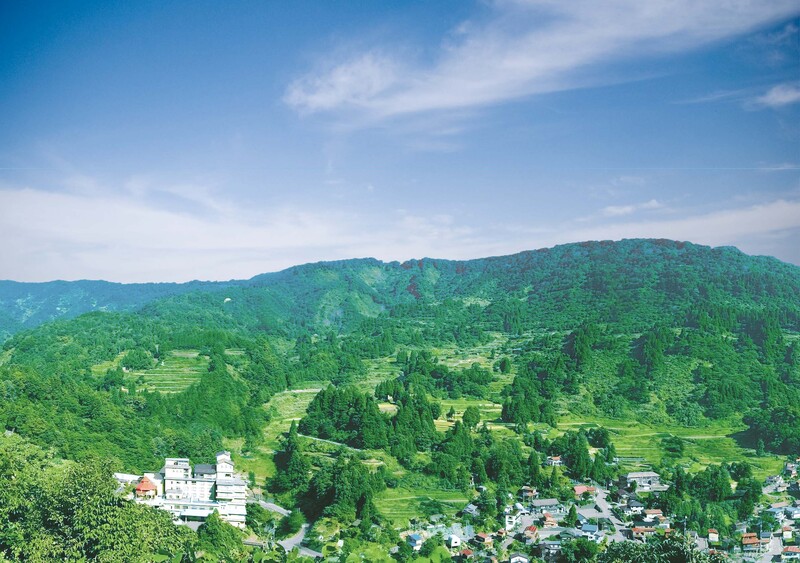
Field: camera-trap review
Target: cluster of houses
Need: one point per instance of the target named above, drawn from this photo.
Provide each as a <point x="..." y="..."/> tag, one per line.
<point x="192" y="494"/>
<point x="539" y="523"/>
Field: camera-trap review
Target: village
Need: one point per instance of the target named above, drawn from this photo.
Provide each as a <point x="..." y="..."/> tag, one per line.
<point x="532" y="527"/>
<point x="528" y="528"/>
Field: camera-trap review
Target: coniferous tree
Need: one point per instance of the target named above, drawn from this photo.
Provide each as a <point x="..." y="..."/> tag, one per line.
<point x="291" y="465"/>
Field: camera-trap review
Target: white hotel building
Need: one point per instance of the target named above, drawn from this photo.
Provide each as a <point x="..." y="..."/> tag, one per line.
<point x="194" y="495"/>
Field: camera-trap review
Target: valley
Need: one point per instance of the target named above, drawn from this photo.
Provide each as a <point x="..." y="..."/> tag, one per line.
<point x="380" y="401"/>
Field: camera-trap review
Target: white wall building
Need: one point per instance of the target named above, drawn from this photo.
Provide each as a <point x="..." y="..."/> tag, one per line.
<point x="193" y="495"/>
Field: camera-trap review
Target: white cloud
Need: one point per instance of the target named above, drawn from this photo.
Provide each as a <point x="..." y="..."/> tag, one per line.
<point x="620" y="210"/>
<point x="780" y="95"/>
<point x="74" y="235"/>
<point x="526" y="47"/>
<point x="52" y="235"/>
<point x="617" y="210"/>
<point x="724" y="227"/>
<point x="354" y="82"/>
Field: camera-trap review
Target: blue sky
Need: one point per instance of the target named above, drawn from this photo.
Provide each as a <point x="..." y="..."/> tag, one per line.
<point x="152" y="141"/>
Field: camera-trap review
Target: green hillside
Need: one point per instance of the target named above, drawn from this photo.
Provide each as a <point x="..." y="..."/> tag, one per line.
<point x="688" y="356"/>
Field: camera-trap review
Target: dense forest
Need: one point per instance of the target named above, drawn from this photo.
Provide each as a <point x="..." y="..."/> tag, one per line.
<point x="650" y="330"/>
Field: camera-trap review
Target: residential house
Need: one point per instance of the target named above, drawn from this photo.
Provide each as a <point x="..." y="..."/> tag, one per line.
<point x="453" y="541"/>
<point x="518" y="558"/>
<point x="471" y="510"/>
<point x="641" y="533"/>
<point x="548" y="521"/>
<point x="778" y="512"/>
<point x="774" y="480"/>
<point x="591" y="532"/>
<point x="751" y="543"/>
<point x="550" y="549"/>
<point x="527" y="494"/>
<point x="620" y="495"/>
<point x="633" y="507"/>
<point x="531" y="534"/>
<point x="652" y="514"/>
<point x="465" y="554"/>
<point x="787" y="533"/>
<point x="415" y="541"/>
<point x="645" y="480"/>
<point x="512" y="518"/>
<point x="713" y="536"/>
<point x="484" y="540"/>
<point x="554" y="461"/>
<point x="790" y="553"/>
<point x="570" y="534"/>
<point x="547" y="504"/>
<point x="580" y="490"/>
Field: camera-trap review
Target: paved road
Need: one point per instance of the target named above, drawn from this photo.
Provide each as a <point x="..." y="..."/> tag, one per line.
<point x="272" y="507"/>
<point x="605" y="510"/>
<point x="290" y="543"/>
<point x="774" y="552"/>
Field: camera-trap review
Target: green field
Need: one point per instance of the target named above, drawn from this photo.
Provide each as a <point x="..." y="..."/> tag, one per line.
<point x="283" y="408"/>
<point x="101" y="368"/>
<point x="639" y="445"/>
<point x="702" y="446"/>
<point x="401" y="504"/>
<point x="177" y="371"/>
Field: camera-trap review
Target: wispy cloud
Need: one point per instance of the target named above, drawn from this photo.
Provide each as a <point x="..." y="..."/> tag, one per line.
<point x="720" y="96"/>
<point x="128" y="238"/>
<point x="620" y="210"/>
<point x="721" y="227"/>
<point x="525" y="47"/>
<point x="780" y="96"/>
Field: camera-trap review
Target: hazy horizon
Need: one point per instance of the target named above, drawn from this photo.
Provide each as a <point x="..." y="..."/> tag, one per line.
<point x="354" y="258"/>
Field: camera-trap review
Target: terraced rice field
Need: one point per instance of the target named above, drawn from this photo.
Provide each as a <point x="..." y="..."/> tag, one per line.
<point x="175" y="372"/>
<point x="703" y="446"/>
<point x="401" y="504"/>
<point x="284" y="407"/>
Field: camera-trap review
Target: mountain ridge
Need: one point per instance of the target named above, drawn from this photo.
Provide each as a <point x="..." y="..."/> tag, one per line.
<point x="25" y="305"/>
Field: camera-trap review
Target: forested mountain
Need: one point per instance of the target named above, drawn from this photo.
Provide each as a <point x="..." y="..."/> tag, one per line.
<point x="27" y="305"/>
<point x="654" y="326"/>
<point x="653" y="331"/>
<point x="635" y="282"/>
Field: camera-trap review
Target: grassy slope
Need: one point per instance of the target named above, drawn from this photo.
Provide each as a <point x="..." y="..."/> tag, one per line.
<point x="176" y="372"/>
<point x="704" y="445"/>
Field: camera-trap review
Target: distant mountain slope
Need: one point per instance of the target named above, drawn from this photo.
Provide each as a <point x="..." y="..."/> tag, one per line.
<point x="655" y="330"/>
<point x="633" y="282"/>
<point x="27" y="305"/>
